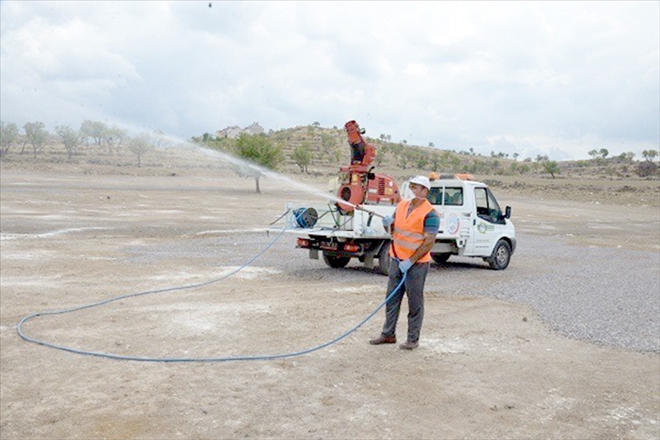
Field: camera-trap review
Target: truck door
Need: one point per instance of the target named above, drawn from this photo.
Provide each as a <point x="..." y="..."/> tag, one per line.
<point x="486" y="224"/>
<point x="448" y="201"/>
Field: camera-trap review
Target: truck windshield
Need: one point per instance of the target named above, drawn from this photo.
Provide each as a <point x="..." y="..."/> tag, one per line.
<point x="452" y="196"/>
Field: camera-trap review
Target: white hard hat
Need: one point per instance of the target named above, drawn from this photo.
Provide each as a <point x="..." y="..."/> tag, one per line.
<point x="421" y="180"/>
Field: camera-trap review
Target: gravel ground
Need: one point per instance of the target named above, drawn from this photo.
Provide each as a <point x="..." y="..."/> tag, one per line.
<point x="606" y="296"/>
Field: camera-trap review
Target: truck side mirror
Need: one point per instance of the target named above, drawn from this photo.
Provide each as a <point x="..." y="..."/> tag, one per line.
<point x="507" y="212"/>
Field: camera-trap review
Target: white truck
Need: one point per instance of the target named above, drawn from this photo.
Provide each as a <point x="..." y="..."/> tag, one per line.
<point x="472" y="224"/>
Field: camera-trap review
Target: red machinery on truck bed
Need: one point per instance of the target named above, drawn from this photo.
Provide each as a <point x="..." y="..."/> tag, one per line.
<point x="358" y="185"/>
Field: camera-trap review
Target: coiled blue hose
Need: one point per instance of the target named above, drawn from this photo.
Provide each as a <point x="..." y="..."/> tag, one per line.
<point x="182" y="360"/>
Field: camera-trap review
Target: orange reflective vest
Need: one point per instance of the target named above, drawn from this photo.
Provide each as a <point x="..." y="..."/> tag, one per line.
<point x="408" y="233"/>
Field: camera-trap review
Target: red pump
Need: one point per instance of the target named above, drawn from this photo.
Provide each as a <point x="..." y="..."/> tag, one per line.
<point x="357" y="184"/>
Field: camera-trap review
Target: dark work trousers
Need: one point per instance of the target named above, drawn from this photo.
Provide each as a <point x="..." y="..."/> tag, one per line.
<point x="414" y="288"/>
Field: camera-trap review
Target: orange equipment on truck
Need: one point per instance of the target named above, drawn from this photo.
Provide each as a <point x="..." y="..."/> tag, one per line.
<point x="358" y="185"/>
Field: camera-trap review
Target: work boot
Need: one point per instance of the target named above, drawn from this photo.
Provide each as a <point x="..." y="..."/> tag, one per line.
<point x="382" y="339"/>
<point x="409" y="345"/>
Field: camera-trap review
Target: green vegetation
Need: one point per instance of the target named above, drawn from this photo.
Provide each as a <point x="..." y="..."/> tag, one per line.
<point x="650" y="154"/>
<point x="70" y="139"/>
<point x="8" y="137"/>
<point x="140" y="145"/>
<point x="256" y="150"/>
<point x="36" y="135"/>
<point x="551" y="167"/>
<point x="107" y="138"/>
<point x="302" y="156"/>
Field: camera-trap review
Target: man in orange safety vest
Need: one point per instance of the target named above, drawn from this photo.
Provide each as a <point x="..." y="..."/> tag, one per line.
<point x="414" y="226"/>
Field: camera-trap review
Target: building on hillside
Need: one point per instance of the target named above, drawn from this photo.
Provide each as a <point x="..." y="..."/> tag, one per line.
<point x="255" y="128"/>
<point x="235" y="131"/>
<point x="229" y="132"/>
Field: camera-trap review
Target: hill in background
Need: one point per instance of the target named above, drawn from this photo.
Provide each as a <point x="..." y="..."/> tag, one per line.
<point x="329" y="149"/>
<point x="620" y="180"/>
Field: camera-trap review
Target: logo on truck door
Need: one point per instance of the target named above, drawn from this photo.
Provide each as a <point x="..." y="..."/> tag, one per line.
<point x="483" y="228"/>
<point x="452" y="224"/>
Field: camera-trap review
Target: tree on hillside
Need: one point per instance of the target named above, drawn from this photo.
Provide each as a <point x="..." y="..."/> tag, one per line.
<point x="647" y="167"/>
<point x="256" y="150"/>
<point x="336" y="155"/>
<point x="396" y="150"/>
<point x="650" y="154"/>
<point x="140" y="145"/>
<point x="551" y="167"/>
<point x="114" y="138"/>
<point x="435" y="161"/>
<point x="627" y="156"/>
<point x="36" y="135"/>
<point x="329" y="148"/>
<point x="93" y="129"/>
<point x="421" y="160"/>
<point x="604" y="152"/>
<point x="70" y="138"/>
<point x="302" y="156"/>
<point x="406" y="157"/>
<point x="8" y="136"/>
<point x="474" y="166"/>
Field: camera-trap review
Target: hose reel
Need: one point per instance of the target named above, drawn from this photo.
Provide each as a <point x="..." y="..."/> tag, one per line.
<point x="306" y="217"/>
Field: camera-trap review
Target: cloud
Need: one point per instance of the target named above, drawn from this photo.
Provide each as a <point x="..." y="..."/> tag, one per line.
<point x="560" y="77"/>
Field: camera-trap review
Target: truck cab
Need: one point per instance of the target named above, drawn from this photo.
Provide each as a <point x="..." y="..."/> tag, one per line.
<point x="472" y="224"/>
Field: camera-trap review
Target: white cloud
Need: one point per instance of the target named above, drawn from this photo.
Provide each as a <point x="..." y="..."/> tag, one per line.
<point x="561" y="77"/>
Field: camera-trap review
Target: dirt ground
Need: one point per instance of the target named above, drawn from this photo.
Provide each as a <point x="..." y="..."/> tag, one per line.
<point x="74" y="235"/>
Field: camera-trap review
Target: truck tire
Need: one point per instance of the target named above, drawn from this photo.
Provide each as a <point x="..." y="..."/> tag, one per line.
<point x="501" y="256"/>
<point x="440" y="258"/>
<point x="384" y="259"/>
<point x="335" y="262"/>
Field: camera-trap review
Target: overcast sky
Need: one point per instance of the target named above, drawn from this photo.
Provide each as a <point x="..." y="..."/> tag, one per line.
<point x="555" y="78"/>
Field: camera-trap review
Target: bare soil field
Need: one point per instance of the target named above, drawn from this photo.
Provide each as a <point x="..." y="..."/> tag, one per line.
<point x="487" y="366"/>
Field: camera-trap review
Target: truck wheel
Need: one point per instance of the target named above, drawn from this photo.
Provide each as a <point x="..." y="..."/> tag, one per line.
<point x="440" y="258"/>
<point x="335" y="262"/>
<point x="384" y="259"/>
<point x="499" y="259"/>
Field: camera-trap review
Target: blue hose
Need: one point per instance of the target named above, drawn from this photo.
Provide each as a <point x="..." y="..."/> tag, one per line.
<point x="181" y="360"/>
